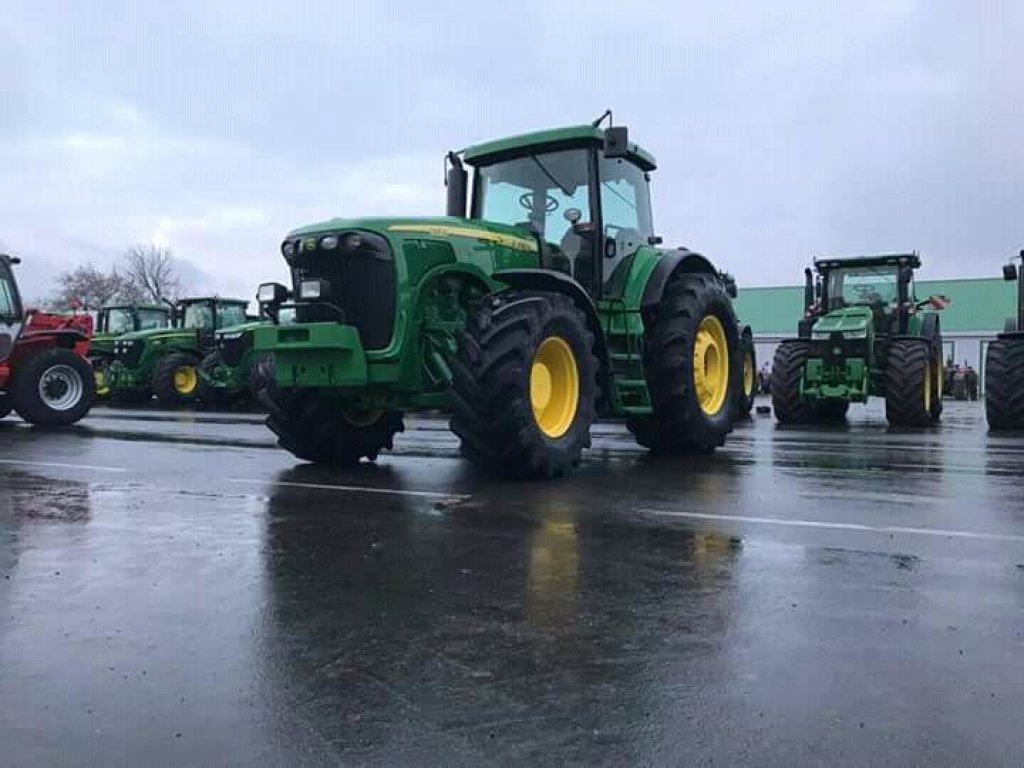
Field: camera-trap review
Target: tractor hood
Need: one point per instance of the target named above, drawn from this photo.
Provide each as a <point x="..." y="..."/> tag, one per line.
<point x="238" y="330"/>
<point x="847" y="320"/>
<point x="398" y="229"/>
<point x="158" y="334"/>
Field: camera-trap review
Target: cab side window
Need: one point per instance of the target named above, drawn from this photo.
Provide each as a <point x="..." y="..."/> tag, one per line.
<point x="8" y="304"/>
<point x="625" y="211"/>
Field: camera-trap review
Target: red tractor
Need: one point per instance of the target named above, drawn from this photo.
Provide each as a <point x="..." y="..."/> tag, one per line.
<point x="44" y="373"/>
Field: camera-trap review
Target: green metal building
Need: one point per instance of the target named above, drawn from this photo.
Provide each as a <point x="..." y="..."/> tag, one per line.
<point x="979" y="308"/>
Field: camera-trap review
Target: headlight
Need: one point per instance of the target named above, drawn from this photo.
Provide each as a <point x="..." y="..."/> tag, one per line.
<point x="352" y="241"/>
<point x="329" y="243"/>
<point x="862" y="334"/>
<point x="288" y="249"/>
<point x="230" y="336"/>
<point x="311" y="290"/>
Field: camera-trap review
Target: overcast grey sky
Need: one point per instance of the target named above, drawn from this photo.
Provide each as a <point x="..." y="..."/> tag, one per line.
<point x="781" y="130"/>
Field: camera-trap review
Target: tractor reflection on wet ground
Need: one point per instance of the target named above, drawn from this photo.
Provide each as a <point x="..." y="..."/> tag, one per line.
<point x="176" y="592"/>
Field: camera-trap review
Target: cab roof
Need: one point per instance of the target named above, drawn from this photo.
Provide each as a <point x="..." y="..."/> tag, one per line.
<point x="911" y="260"/>
<point x="218" y="299"/>
<point x="549" y="140"/>
<point x="162" y="308"/>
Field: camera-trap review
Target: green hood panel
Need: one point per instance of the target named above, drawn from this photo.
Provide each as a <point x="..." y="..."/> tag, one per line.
<point x="397" y="229"/>
<point x="160" y="334"/>
<point x="845" y="320"/>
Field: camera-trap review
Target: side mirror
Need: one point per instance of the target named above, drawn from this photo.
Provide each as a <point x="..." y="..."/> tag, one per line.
<point x="616" y="141"/>
<point x="906" y="275"/>
<point x="611" y="249"/>
<point x="573" y="215"/>
<point x="1009" y="272"/>
<point x="457" y="181"/>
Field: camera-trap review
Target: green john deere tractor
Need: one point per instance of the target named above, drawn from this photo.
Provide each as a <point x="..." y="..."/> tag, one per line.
<point x="1004" y="364"/>
<point x="113" y="321"/>
<point x="227" y="372"/>
<point x="540" y="302"/>
<point x="165" y="361"/>
<point x="863" y="334"/>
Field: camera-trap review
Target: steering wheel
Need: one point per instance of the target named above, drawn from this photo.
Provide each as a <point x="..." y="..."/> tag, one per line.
<point x="867" y="294"/>
<point x="526" y="201"/>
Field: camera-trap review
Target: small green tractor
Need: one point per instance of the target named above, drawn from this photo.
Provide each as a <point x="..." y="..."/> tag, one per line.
<point x="1004" y="364"/>
<point x="863" y="333"/>
<point x="165" y="361"/>
<point x="227" y="374"/>
<point x="113" y="321"/>
<point x="540" y="302"/>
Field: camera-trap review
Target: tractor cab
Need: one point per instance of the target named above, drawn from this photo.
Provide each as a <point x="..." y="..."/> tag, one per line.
<point x="120" y="319"/>
<point x="207" y="315"/>
<point x="11" y="315"/>
<point x="875" y="287"/>
<point x="583" y="192"/>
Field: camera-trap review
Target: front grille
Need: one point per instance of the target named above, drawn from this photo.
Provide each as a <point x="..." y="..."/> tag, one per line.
<point x="233" y="350"/>
<point x="130" y="357"/>
<point x="362" y="285"/>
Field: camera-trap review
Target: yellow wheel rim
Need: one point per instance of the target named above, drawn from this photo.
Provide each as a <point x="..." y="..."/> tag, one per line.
<point x="362" y="418"/>
<point x="100" y="380"/>
<point x="940" y="377"/>
<point x="185" y="379"/>
<point x="711" y="365"/>
<point x="748" y="373"/>
<point x="928" y="388"/>
<point x="554" y="386"/>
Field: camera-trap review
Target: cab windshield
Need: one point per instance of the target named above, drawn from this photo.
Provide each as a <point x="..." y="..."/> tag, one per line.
<point x="535" y="193"/>
<point x="863" y="285"/>
<point x="119" y="320"/>
<point x="230" y="314"/>
<point x="198" y="316"/>
<point x="150" y="319"/>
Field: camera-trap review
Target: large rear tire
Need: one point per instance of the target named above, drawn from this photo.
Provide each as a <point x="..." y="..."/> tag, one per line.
<point x="1004" y="383"/>
<point x="316" y="428"/>
<point x="176" y="379"/>
<point x="524" y="392"/>
<point x="908" y="384"/>
<point x="787" y="374"/>
<point x="693" y="365"/>
<point x="53" y="388"/>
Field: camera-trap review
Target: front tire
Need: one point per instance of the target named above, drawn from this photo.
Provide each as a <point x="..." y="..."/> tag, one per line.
<point x="176" y="379"/>
<point x="1004" y="383"/>
<point x="787" y="374"/>
<point x="316" y="428"/>
<point x="54" y="388"/>
<point x="692" y="363"/>
<point x="524" y="391"/>
<point x="215" y="397"/>
<point x="908" y="384"/>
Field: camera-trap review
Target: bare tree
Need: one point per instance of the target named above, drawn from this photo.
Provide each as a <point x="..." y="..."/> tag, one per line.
<point x="150" y="273"/>
<point x="86" y="286"/>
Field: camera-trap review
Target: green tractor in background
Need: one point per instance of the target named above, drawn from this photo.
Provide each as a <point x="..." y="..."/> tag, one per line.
<point x="164" y="362"/>
<point x="863" y="334"/>
<point x="115" y="320"/>
<point x="228" y="373"/>
<point x="1004" y="364"/>
<point x="540" y="302"/>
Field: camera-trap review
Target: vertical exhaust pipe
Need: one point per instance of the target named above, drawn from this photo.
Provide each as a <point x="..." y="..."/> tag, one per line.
<point x="457" y="181"/>
<point x="808" y="291"/>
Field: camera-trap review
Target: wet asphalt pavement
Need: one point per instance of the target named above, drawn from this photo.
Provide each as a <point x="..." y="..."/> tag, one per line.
<point x="177" y="591"/>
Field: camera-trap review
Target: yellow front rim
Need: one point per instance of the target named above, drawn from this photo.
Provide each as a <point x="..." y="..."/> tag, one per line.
<point x="362" y="418"/>
<point x="940" y="377"/>
<point x="928" y="388"/>
<point x="185" y="379"/>
<point x="711" y="365"/>
<point x="100" y="380"/>
<point x="554" y="386"/>
<point x="748" y="374"/>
